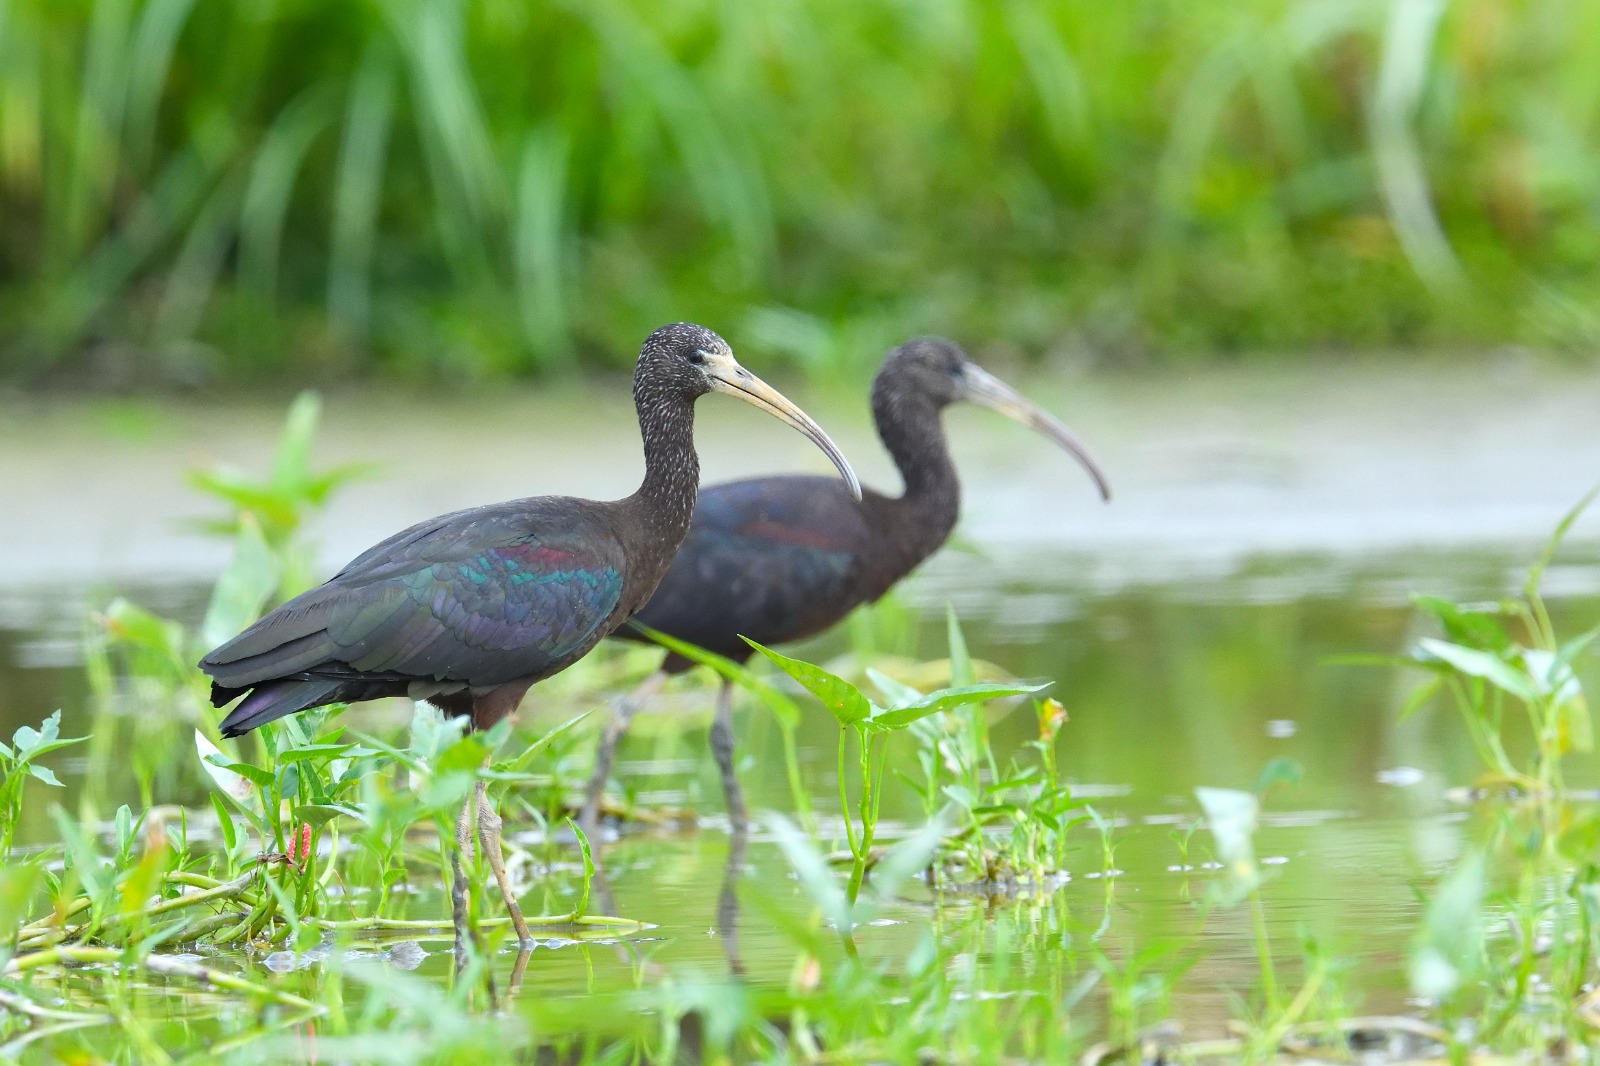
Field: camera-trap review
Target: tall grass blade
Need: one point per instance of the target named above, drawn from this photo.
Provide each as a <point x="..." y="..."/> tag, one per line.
<point x="101" y="97"/>
<point x="199" y="262"/>
<point x="1408" y="42"/>
<point x="273" y="173"/>
<point x="155" y="38"/>
<point x="358" y="190"/>
<point x="541" y="248"/>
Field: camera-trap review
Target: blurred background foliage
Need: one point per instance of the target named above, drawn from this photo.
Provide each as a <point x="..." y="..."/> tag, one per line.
<point x="471" y="189"/>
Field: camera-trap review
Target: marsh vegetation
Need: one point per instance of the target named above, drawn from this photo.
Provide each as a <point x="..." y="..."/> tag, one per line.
<point x="452" y="191"/>
<point x="1249" y="873"/>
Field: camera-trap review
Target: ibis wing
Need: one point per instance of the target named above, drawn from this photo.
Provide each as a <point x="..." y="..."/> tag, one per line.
<point x="773" y="559"/>
<point x="477" y="597"/>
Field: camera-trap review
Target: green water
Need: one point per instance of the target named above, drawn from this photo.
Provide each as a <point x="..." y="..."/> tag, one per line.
<point x="1200" y="681"/>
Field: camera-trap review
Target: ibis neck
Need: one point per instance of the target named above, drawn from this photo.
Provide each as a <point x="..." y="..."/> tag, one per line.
<point x="665" y="499"/>
<point x="912" y="429"/>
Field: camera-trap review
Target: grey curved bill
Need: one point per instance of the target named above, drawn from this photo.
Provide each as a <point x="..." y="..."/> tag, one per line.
<point x="728" y="376"/>
<point x="984" y="389"/>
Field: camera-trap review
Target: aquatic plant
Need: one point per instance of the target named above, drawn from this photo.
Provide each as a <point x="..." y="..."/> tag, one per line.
<point x="870" y="726"/>
<point x="279" y="505"/>
<point x="141" y="665"/>
<point x="1503" y="663"/>
<point x="279" y="913"/>
<point x="19" y="761"/>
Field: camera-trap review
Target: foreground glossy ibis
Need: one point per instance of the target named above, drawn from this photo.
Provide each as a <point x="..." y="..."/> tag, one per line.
<point x="469" y="609"/>
<point x="781" y="558"/>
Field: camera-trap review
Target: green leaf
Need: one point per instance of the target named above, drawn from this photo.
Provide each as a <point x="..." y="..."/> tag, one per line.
<point x="1279" y="771"/>
<point x="1569" y="652"/>
<point x="244" y="586"/>
<point x="291" y="467"/>
<point x="1449" y="952"/>
<point x="960" y="795"/>
<point x="45" y="774"/>
<point x="1231" y="816"/>
<point x="782" y="707"/>
<point x="19" y="885"/>
<point x="30" y="743"/>
<point x="253" y="774"/>
<point x="431" y="732"/>
<point x="235" y="786"/>
<point x="813" y="871"/>
<point x="1017" y="779"/>
<point x="131" y="624"/>
<point x="1471" y="626"/>
<point x="961" y="672"/>
<point x="532" y="750"/>
<point x="289" y="782"/>
<point x="843" y="700"/>
<point x="1530" y="588"/>
<point x="1481" y="664"/>
<point x="230" y="834"/>
<point x="588" y="866"/>
<point x="27" y="739"/>
<point x="898" y="694"/>
<point x="313" y="751"/>
<point x="464" y="756"/>
<point x="948" y="699"/>
<point x="124" y="823"/>
<point x="905" y="860"/>
<point x="1421" y="695"/>
<point x="319" y="814"/>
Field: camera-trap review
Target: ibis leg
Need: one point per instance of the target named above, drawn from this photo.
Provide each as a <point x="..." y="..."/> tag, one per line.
<point x="489" y="837"/>
<point x="728" y="902"/>
<point x="615" y="729"/>
<point x="722" y="748"/>
<point x="459" y="889"/>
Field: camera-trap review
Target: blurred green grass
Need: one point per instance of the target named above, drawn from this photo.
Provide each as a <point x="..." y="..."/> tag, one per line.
<point x="470" y="189"/>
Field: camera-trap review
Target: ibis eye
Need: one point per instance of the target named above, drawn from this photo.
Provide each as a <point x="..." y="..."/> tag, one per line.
<point x="697" y="356"/>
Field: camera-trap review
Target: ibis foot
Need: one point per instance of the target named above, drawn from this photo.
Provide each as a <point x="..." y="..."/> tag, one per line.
<point x="489" y="837"/>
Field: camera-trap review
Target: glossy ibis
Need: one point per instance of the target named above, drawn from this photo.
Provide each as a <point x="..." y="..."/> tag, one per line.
<point x="781" y="558"/>
<point x="469" y="609"/>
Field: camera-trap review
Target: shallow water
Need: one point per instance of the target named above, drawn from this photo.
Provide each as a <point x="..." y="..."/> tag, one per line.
<point x="1169" y="686"/>
<point x="1188" y="630"/>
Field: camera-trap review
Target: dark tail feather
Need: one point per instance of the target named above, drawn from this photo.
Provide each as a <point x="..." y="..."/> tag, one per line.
<point x="275" y="699"/>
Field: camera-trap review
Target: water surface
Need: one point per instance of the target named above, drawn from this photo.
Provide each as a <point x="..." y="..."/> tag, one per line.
<point x="1263" y="526"/>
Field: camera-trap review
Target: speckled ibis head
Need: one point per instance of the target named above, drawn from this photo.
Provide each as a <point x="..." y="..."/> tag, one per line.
<point x="688" y="361"/>
<point x="941" y="371"/>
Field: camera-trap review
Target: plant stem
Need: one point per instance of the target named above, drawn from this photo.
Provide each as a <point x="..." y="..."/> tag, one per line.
<point x="844" y="795"/>
<point x="797" y="789"/>
<point x="376" y="922"/>
<point x="1269" y="980"/>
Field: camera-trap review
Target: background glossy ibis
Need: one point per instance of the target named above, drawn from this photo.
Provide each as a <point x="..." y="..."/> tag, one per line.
<point x="469" y="609"/>
<point x="782" y="558"/>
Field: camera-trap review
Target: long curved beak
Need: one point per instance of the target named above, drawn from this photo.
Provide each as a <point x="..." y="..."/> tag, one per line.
<point x="728" y="376"/>
<point x="984" y="389"/>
